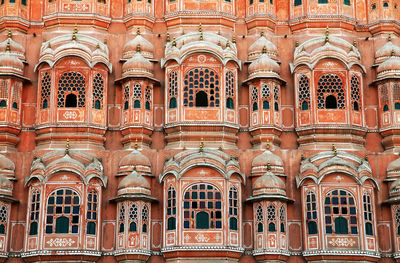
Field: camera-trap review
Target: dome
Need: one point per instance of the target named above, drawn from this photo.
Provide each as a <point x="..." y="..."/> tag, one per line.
<point x="267" y="160"/>
<point x="264" y="66"/>
<point x="137" y="66"/>
<point x="394" y="190"/>
<point x="13" y="47"/>
<point x="6" y="164"/>
<point x="393" y="168"/>
<point x="387" y="50"/>
<point x="390" y="66"/>
<point x="10" y="64"/>
<point x="269" y="184"/>
<point x="256" y="49"/>
<point x="131" y="46"/>
<point x="134" y="161"/>
<point x="134" y="183"/>
<point x="6" y="186"/>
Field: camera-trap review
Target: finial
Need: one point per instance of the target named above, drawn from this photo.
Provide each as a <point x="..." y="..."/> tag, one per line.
<point x="9" y="33"/>
<point x="67" y="147"/>
<point x="174" y="42"/>
<point x="264" y="50"/>
<point x="183" y="32"/>
<point x="76" y="29"/>
<point x="136" y="145"/>
<point x="98" y="46"/>
<point x="302" y="157"/>
<point x="168" y="37"/>
<point x="227" y="44"/>
<point x="49" y="45"/>
<point x="261" y="33"/>
<point x="201" y="144"/>
<point x="390" y="37"/>
<point x="138" y="48"/>
<point x="297" y="43"/>
<point x="327" y="34"/>
<point x="184" y="148"/>
<point x="220" y="148"/>
<point x="366" y="158"/>
<point x="74" y="33"/>
<point x="268" y="166"/>
<point x="268" y="146"/>
<point x="138" y="31"/>
<point x="134" y="168"/>
<point x="200" y="28"/>
<point x="219" y="43"/>
<point x="233" y="39"/>
<point x="334" y="150"/>
<point x="8" y="47"/>
<point x="201" y="35"/>
<point x="105" y="41"/>
<point x="219" y="32"/>
<point x="354" y="43"/>
<point x="392" y="53"/>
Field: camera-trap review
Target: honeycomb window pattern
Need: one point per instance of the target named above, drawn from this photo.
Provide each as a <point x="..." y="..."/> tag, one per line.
<point x="98" y="91"/>
<point x="133" y="217"/>
<point x="330" y="84"/>
<point x="145" y="218"/>
<point x="276" y="93"/>
<point x="126" y="97"/>
<point x="355" y="92"/>
<point x="229" y="84"/>
<point x="271" y="218"/>
<point x="173" y="84"/>
<point x="147" y="96"/>
<point x="265" y="92"/>
<point x="254" y="94"/>
<point x="397" y="220"/>
<point x="396" y="93"/>
<point x="63" y="207"/>
<point x="137" y="91"/>
<point x="340" y="213"/>
<point x="260" y="218"/>
<point x="282" y="218"/>
<point x="202" y="207"/>
<point x="45" y="84"/>
<point x="385" y="94"/>
<point x="304" y="89"/>
<point x="201" y="79"/>
<point x="16" y="95"/>
<point x="71" y="83"/>
<point x="3" y="214"/>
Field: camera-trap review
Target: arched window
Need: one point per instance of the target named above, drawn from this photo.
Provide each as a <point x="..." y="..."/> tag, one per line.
<point x="397" y="221"/>
<point x="3" y="103"/>
<point x="276" y="98"/>
<point x="16" y="94"/>
<point x="330" y="92"/>
<point x="63" y="206"/>
<point x="265" y="95"/>
<point x="271" y="218"/>
<point x="355" y="92"/>
<point x="304" y="92"/>
<point x="282" y="219"/>
<point x="171" y="209"/>
<point x="34" y="215"/>
<point x="202" y="80"/>
<point x="126" y="97"/>
<point x="233" y="208"/>
<point x="147" y="96"/>
<point x="121" y="226"/>
<point x="45" y="90"/>
<point x="260" y="219"/>
<point x="133" y="217"/>
<point x="340" y="213"/>
<point x="137" y="96"/>
<point x="98" y="91"/>
<point x="311" y="210"/>
<point x="172" y="89"/>
<point x="71" y="90"/>
<point x="3" y="93"/>
<point x="204" y="198"/>
<point x="3" y="219"/>
<point x="91" y="215"/>
<point x="368" y="218"/>
<point x="229" y="89"/>
<point x="145" y="219"/>
<point x="254" y="97"/>
<point x="297" y="2"/>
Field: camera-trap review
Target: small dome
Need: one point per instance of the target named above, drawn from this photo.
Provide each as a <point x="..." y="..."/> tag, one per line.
<point x="137" y="66"/>
<point x="134" y="161"/>
<point x="256" y="49"/>
<point x="393" y="169"/>
<point x="269" y="184"/>
<point x="134" y="183"/>
<point x="390" y="66"/>
<point x="10" y="64"/>
<point x="6" y="164"/>
<point x="14" y="48"/>
<point x="265" y="66"/>
<point x="131" y="46"/>
<point x="267" y="160"/>
<point x="387" y="50"/>
<point x="6" y="186"/>
<point x="394" y="190"/>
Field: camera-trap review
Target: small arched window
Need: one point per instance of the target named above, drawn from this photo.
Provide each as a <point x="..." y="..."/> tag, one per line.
<point x="71" y="90"/>
<point x="330" y="92"/>
<point x="233" y="208"/>
<point x="229" y="89"/>
<point x="171" y="208"/>
<point x="145" y="218"/>
<point x="71" y="101"/>
<point x="297" y="2"/>
<point x="355" y="91"/>
<point x="265" y="96"/>
<point x="98" y="91"/>
<point x="276" y="98"/>
<point x="34" y="213"/>
<point x="340" y="213"/>
<point x="368" y="215"/>
<point x="201" y="99"/>
<point x="121" y="226"/>
<point x="201" y="88"/>
<point x="45" y="90"/>
<point x="63" y="207"/>
<point x="199" y="202"/>
<point x="304" y="92"/>
<point x="260" y="219"/>
<point x="3" y="103"/>
<point x="254" y="97"/>
<point x="3" y="219"/>
<point x="136" y="104"/>
<point x="133" y="217"/>
<point x="147" y="97"/>
<point x="172" y="89"/>
<point x="126" y="97"/>
<point x="330" y="102"/>
<point x="282" y="219"/>
<point x="311" y="213"/>
<point x="271" y="218"/>
<point x="92" y="213"/>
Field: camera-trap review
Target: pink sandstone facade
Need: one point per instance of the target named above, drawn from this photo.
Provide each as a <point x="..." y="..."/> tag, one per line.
<point x="199" y="131"/>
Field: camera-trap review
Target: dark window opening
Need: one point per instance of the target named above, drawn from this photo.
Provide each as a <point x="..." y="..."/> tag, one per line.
<point x="172" y="103"/>
<point x="12" y="1"/>
<point x="201" y="99"/>
<point x="136" y="104"/>
<point x="304" y="105"/>
<point x="62" y="225"/>
<point x="260" y="228"/>
<point x="266" y="105"/>
<point x="45" y="104"/>
<point x="202" y="220"/>
<point x="255" y="106"/>
<point x="251" y="2"/>
<point x="368" y="229"/>
<point x="282" y="228"/>
<point x="386" y="4"/>
<point x="330" y="102"/>
<point x="271" y="227"/>
<point x="397" y="106"/>
<point x="147" y="105"/>
<point x="398" y="230"/>
<point x="385" y="107"/>
<point x="132" y="227"/>
<point x="276" y="106"/>
<point x="341" y="226"/>
<point x="97" y="105"/>
<point x="144" y="228"/>
<point x="171" y="223"/>
<point x="373" y="7"/>
<point x="33" y="229"/>
<point x="126" y="105"/>
<point x="312" y="228"/>
<point x="233" y="223"/>
<point x="322" y="1"/>
<point x="355" y="106"/>
<point x="229" y="103"/>
<point x="3" y="104"/>
<point x="297" y="2"/>
<point x="2" y="229"/>
<point x="71" y="101"/>
<point x="23" y="2"/>
<point x="121" y="228"/>
<point x="15" y="105"/>
<point x="346" y="2"/>
<point x="91" y="228"/>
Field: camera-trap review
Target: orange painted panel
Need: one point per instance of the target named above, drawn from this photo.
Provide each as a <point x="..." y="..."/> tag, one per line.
<point x="133" y="240"/>
<point x="266" y="117"/>
<point x="337" y="116"/>
<point x="342" y="242"/>
<point x="32" y="243"/>
<point x="64" y="115"/>
<point x="202" y="237"/>
<point x="313" y="242"/>
<point x="170" y="238"/>
<point x="202" y="115"/>
<point x="61" y="242"/>
<point x="305" y="117"/>
<point x="3" y="114"/>
<point x="356" y="117"/>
